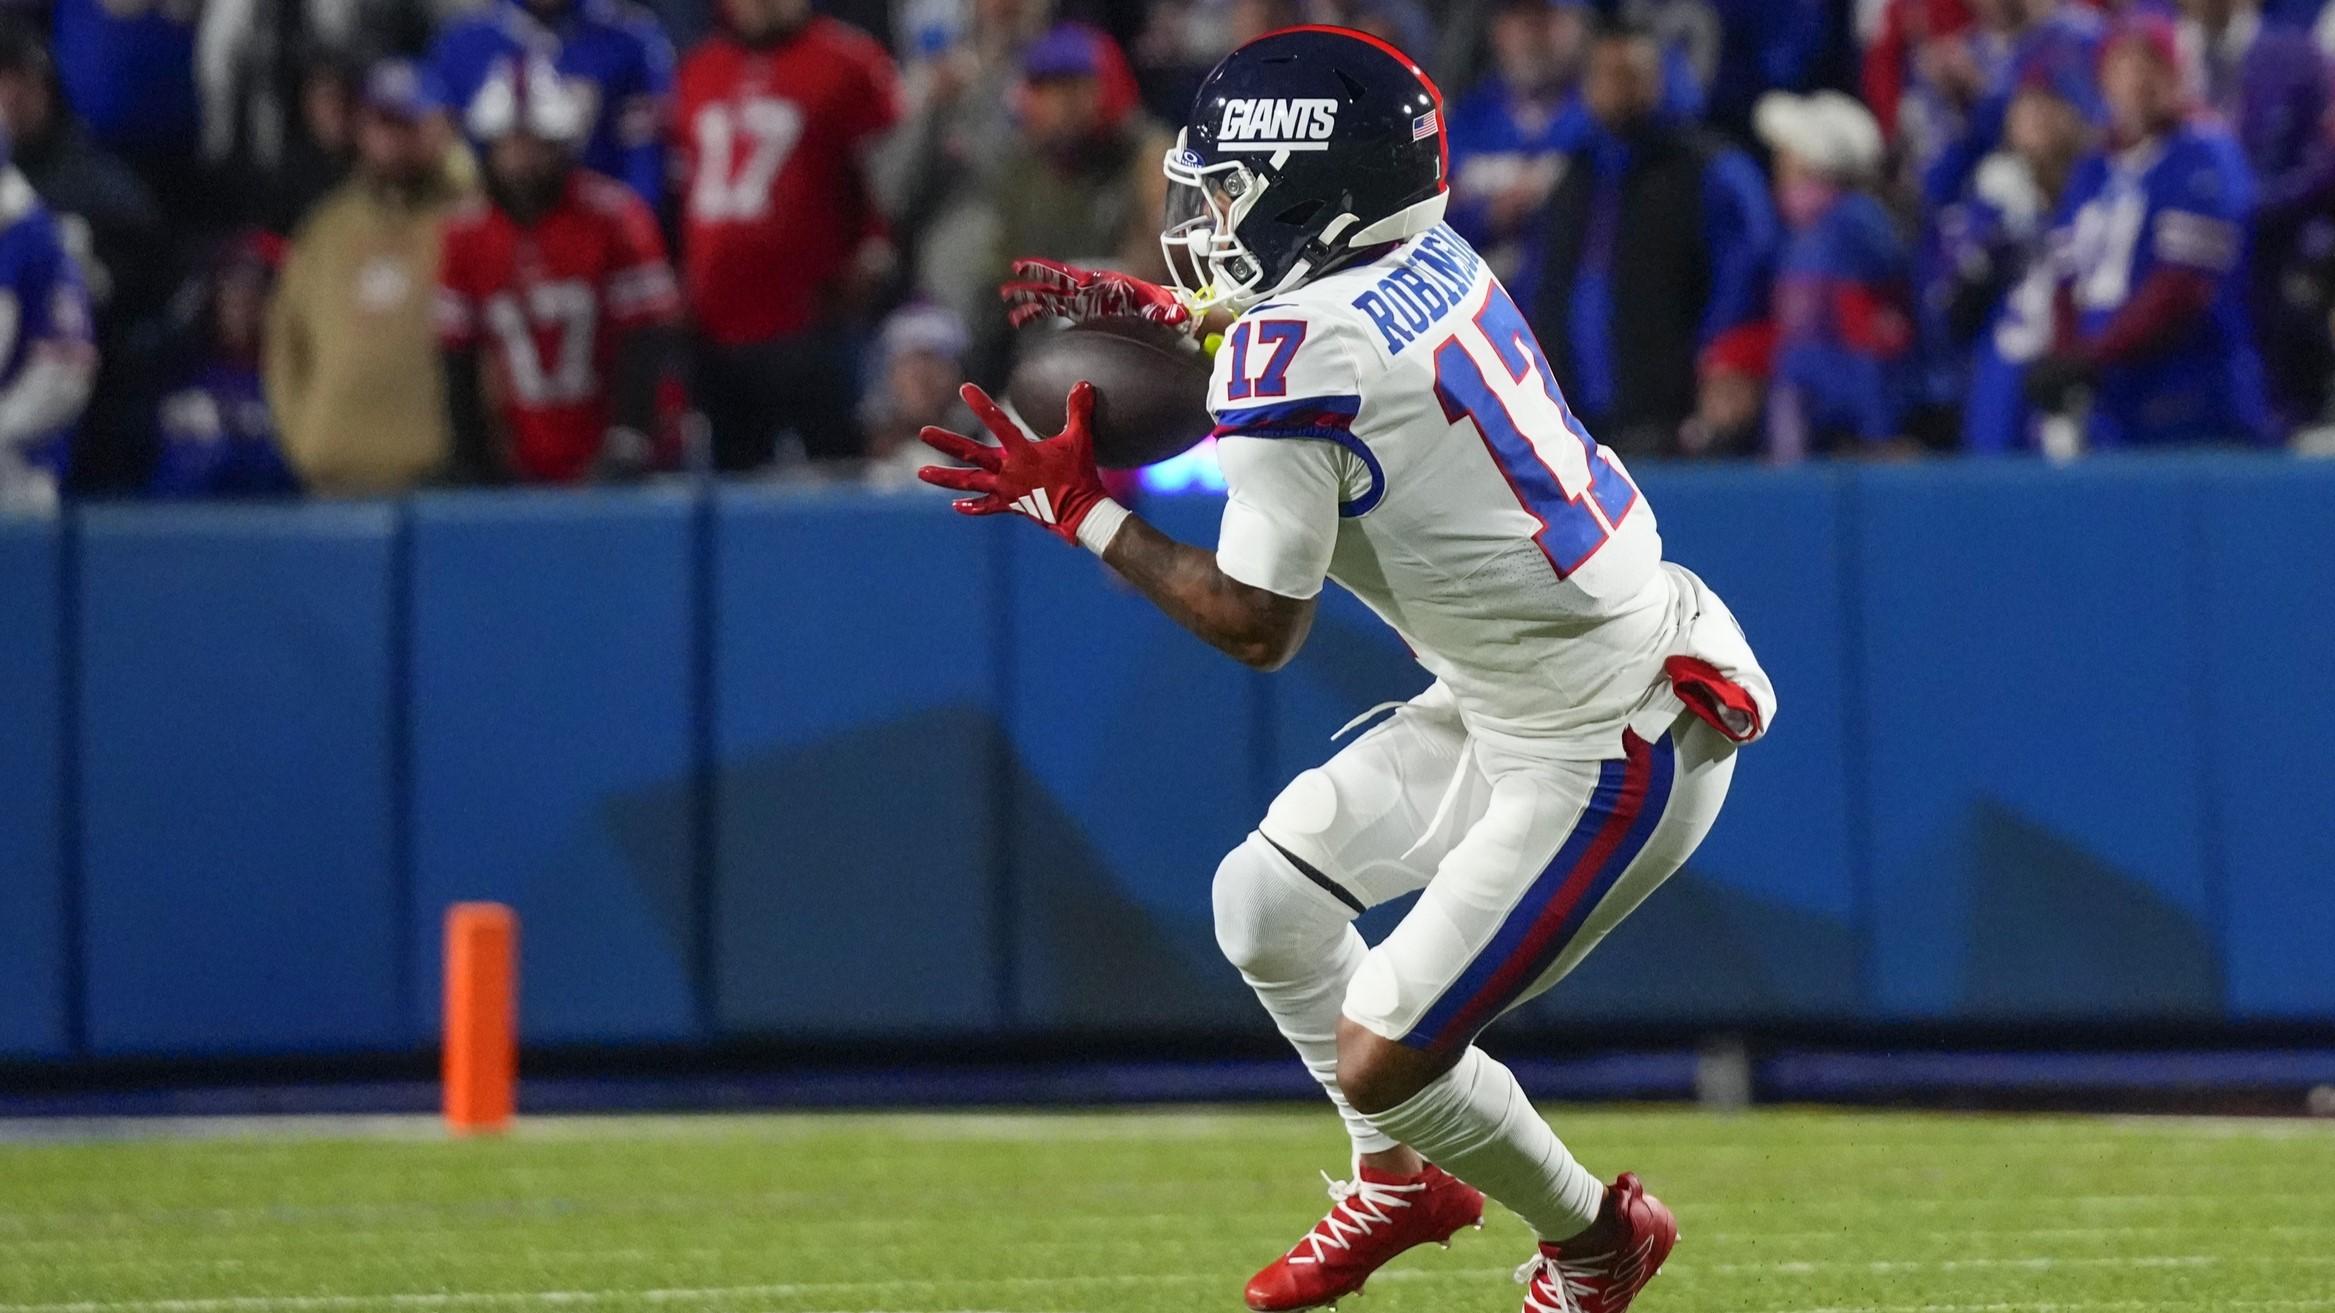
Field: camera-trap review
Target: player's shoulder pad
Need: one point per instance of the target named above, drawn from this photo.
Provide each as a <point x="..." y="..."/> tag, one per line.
<point x="1395" y="302"/>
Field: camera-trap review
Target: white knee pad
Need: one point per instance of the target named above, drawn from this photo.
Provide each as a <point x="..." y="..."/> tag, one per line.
<point x="1270" y="920"/>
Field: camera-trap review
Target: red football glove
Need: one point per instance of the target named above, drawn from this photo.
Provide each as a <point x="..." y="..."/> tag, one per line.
<point x="1040" y="288"/>
<point x="1053" y="481"/>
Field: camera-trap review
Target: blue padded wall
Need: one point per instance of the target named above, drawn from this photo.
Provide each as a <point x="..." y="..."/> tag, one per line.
<point x="555" y="653"/>
<point x="32" y="764"/>
<point x="1137" y="766"/>
<point x="237" y="790"/>
<point x="858" y="790"/>
<point x="1764" y="920"/>
<point x="820" y="765"/>
<point x="2267" y="629"/>
<point x="2032" y="719"/>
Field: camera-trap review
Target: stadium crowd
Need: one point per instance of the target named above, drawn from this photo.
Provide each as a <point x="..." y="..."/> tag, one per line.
<point x="256" y="247"/>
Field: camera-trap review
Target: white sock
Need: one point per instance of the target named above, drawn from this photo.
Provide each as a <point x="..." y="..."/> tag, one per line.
<point x="1474" y="1122"/>
<point x="1297" y="948"/>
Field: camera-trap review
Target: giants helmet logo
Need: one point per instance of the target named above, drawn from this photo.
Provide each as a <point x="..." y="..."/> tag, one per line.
<point x="1262" y="125"/>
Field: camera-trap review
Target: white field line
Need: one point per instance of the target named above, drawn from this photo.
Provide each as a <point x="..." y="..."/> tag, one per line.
<point x="822" y="1289"/>
<point x="26" y="1225"/>
<point x="2227" y="1128"/>
<point x="1130" y="1123"/>
<point x="2174" y="1199"/>
<point x="1172" y="1225"/>
<point x="1783" y="1264"/>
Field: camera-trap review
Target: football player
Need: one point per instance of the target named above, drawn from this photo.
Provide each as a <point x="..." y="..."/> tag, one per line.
<point x="554" y="296"/>
<point x="1386" y="420"/>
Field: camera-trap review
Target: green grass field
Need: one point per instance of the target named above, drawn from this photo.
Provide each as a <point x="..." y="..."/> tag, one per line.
<point x="1130" y="1212"/>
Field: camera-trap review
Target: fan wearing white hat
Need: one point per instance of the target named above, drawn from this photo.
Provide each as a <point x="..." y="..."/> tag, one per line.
<point x="1844" y="327"/>
<point x="1823" y="142"/>
<point x="557" y="310"/>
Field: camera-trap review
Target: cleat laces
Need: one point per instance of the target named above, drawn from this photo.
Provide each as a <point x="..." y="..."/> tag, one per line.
<point x="1360" y="1207"/>
<point x="1567" y="1283"/>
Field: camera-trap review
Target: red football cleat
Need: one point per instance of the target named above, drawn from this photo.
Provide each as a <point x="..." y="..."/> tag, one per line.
<point x="1607" y="1279"/>
<point x="1375" y="1218"/>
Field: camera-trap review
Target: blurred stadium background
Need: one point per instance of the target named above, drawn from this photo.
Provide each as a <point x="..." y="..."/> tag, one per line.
<point x="793" y="818"/>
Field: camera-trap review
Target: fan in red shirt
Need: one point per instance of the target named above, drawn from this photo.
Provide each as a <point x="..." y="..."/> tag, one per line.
<point x="781" y="238"/>
<point x="557" y="310"/>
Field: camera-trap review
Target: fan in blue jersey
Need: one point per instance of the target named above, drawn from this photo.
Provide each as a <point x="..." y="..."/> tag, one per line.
<point x="2153" y="243"/>
<point x="611" y="48"/>
<point x="1996" y="282"/>
<point x="2268" y="80"/>
<point x="2018" y="41"/>
<point x="214" y="435"/>
<point x="47" y="356"/>
<point x="1510" y="136"/>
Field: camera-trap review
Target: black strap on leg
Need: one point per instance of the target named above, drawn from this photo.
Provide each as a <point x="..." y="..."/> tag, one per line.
<point x="1307" y="869"/>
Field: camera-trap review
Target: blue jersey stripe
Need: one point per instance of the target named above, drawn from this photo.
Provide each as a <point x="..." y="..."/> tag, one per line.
<point x="1240" y="418"/>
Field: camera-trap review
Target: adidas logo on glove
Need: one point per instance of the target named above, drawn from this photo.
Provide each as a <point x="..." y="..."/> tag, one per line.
<point x="1037" y="505"/>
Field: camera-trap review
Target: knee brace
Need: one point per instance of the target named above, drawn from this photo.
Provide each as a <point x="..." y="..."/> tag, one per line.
<point x="1270" y="920"/>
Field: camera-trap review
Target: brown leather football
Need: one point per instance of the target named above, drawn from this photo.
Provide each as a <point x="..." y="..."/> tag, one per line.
<point x="1151" y="387"/>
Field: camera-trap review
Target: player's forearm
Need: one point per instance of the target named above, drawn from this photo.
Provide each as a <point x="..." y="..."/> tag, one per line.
<point x="1257" y="628"/>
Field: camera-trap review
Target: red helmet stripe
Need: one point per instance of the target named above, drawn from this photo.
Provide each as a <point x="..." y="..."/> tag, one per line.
<point x="1434" y="93"/>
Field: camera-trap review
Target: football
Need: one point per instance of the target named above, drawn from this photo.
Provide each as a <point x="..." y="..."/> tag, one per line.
<point x="1151" y="387"/>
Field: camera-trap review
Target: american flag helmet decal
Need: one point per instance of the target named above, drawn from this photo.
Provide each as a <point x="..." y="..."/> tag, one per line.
<point x="1423" y="126"/>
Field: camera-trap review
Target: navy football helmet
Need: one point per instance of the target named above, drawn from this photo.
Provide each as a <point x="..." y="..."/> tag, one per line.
<point x="1305" y="146"/>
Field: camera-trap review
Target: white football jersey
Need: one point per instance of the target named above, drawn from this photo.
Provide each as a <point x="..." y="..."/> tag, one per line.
<point x="1396" y="427"/>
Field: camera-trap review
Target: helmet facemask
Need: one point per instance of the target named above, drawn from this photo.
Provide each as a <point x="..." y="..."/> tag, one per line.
<point x="1206" y="205"/>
